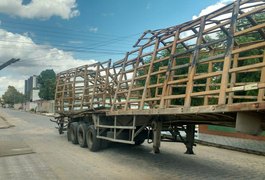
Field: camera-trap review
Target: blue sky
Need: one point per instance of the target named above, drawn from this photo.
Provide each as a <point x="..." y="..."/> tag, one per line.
<point x="117" y="22"/>
<point x="48" y="34"/>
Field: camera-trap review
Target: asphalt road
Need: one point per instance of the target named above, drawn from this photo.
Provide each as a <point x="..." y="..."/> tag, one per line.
<point x="55" y="158"/>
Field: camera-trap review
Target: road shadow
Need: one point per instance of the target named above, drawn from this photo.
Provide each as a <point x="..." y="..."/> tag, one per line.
<point x="170" y="162"/>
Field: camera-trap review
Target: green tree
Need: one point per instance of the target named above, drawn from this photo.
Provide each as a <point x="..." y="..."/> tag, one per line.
<point x="12" y="96"/>
<point x="47" y="81"/>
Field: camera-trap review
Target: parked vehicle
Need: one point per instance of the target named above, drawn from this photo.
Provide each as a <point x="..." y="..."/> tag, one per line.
<point x="175" y="78"/>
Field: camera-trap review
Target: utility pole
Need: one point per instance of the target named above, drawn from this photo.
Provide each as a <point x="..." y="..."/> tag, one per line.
<point x="11" y="61"/>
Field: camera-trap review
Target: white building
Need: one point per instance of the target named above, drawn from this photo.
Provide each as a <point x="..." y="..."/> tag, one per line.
<point x="32" y="88"/>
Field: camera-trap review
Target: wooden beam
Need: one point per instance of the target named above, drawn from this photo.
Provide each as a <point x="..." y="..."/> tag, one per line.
<point x="233" y="79"/>
<point x="262" y="80"/>
<point x="192" y="69"/>
<point x="168" y="73"/>
<point x="148" y="78"/>
<point x="113" y="107"/>
<point x="133" y="78"/>
<point x="250" y="47"/>
<point x="208" y="81"/>
<point x="228" y="56"/>
<point x="253" y="28"/>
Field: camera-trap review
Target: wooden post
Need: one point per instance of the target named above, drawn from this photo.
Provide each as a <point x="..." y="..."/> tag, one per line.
<point x="85" y="87"/>
<point x="94" y="87"/>
<point x="233" y="79"/>
<point x="120" y="79"/>
<point x="56" y="97"/>
<point x="73" y="90"/>
<point x="192" y="69"/>
<point x="208" y="82"/>
<point x="106" y="84"/>
<point x="262" y="80"/>
<point x="228" y="54"/>
<point x="133" y="77"/>
<point x="169" y="88"/>
<point x="168" y="73"/>
<point x="148" y="78"/>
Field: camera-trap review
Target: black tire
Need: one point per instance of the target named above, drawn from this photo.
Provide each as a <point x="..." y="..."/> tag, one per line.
<point x="81" y="135"/>
<point x="73" y="134"/>
<point x="139" y="141"/>
<point x="142" y="136"/>
<point x="93" y="143"/>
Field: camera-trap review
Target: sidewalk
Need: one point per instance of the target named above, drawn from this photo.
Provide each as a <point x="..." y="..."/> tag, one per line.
<point x="245" y="145"/>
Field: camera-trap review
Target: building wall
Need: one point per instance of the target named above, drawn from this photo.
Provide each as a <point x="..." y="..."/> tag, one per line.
<point x="35" y="95"/>
<point x="34" y="81"/>
<point x="30" y="106"/>
<point x="31" y="88"/>
<point x="26" y="87"/>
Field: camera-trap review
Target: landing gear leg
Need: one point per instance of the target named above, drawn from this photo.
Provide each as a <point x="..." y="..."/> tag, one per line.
<point x="190" y="133"/>
<point x="157" y="127"/>
<point x="61" y="126"/>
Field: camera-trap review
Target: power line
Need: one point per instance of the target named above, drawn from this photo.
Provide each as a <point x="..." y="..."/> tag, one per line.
<point x="63" y="37"/>
<point x="96" y="45"/>
<point x="52" y="30"/>
<point x="65" y="47"/>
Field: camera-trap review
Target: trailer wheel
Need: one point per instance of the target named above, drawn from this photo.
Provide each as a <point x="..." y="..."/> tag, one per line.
<point x="142" y="136"/>
<point x="73" y="134"/>
<point x="93" y="143"/>
<point x="139" y="141"/>
<point x="81" y="135"/>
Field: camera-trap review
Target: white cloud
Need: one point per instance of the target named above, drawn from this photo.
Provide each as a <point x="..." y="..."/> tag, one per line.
<point x="34" y="58"/>
<point x="75" y="42"/>
<point x="212" y="8"/>
<point x="17" y="83"/>
<point x="93" y="29"/>
<point x="43" y="9"/>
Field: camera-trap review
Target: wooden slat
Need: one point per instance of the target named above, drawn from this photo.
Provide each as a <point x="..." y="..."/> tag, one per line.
<point x="247" y="48"/>
<point x="248" y="67"/>
<point x="239" y="33"/>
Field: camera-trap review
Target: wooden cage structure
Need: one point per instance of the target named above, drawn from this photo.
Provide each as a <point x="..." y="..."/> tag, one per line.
<point x="212" y="65"/>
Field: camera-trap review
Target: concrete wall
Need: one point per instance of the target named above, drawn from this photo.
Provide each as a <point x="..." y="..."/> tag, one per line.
<point x="45" y="106"/>
<point x="30" y="106"/>
<point x="38" y="106"/>
<point x="18" y="106"/>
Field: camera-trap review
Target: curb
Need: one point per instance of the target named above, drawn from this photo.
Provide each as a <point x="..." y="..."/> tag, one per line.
<point x="249" y="151"/>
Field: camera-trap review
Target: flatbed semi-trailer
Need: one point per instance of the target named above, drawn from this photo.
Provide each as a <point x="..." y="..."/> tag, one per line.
<point x="210" y="70"/>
